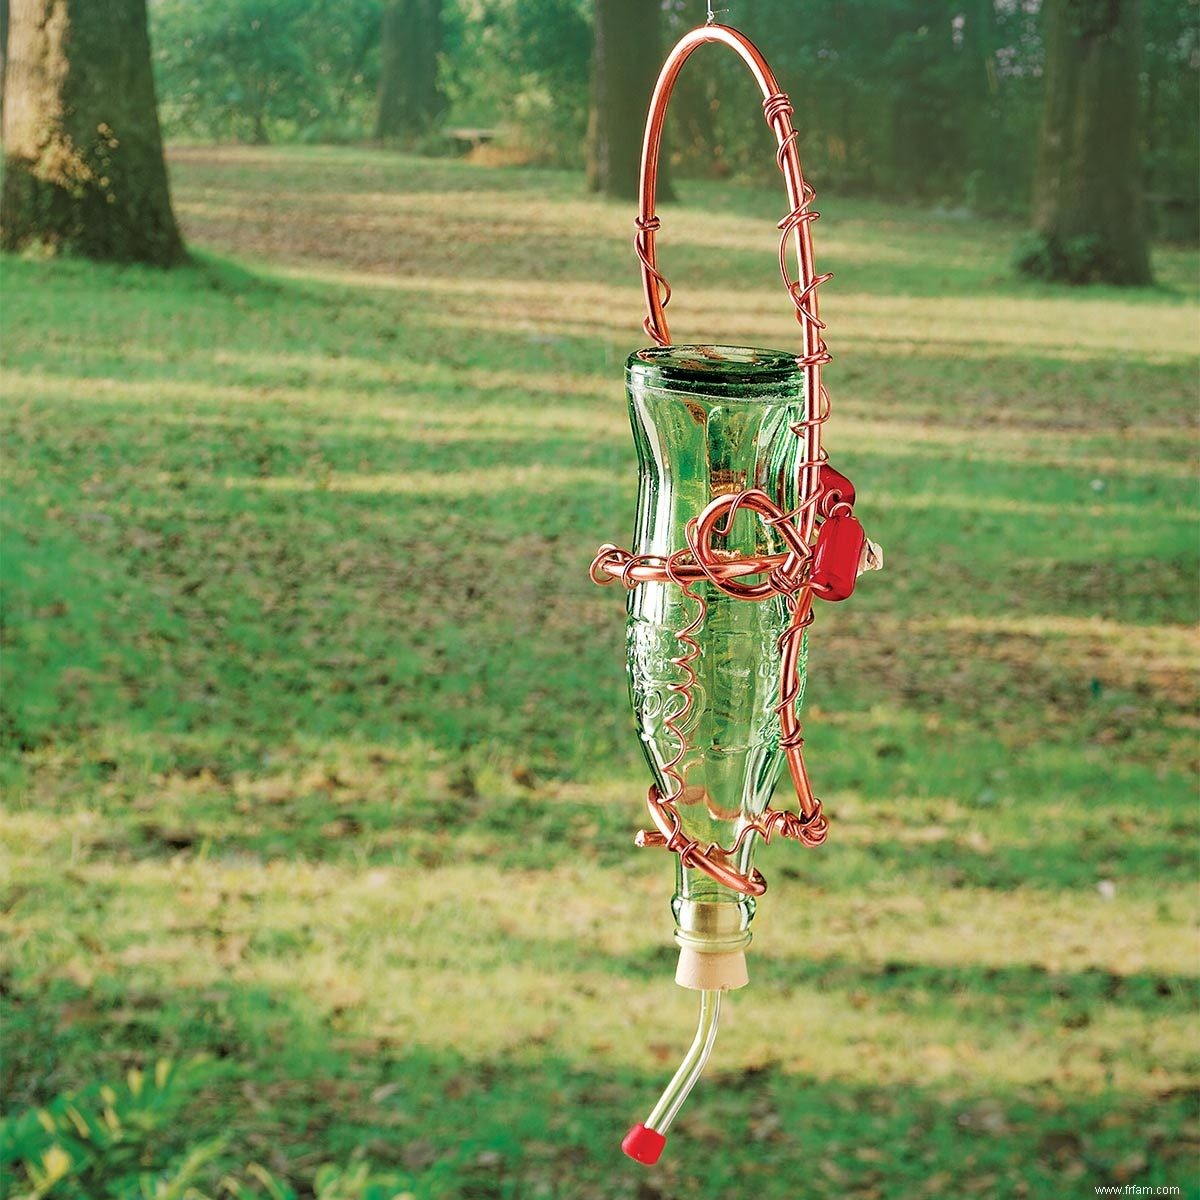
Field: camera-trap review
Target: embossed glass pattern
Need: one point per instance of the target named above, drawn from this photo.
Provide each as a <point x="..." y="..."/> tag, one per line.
<point x="710" y="420"/>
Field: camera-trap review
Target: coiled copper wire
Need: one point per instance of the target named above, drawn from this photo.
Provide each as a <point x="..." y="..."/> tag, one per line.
<point x="747" y="578"/>
<point x="784" y="578"/>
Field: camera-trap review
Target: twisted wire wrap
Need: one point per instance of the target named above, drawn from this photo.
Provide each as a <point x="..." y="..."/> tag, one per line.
<point x="643" y="249"/>
<point x="785" y="577"/>
<point x="783" y="574"/>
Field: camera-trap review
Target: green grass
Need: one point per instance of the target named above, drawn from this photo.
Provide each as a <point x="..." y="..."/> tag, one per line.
<point x="303" y="778"/>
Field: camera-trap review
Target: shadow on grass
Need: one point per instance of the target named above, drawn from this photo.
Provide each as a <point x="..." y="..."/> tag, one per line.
<point x="366" y="209"/>
<point x="975" y="993"/>
<point x="286" y="1090"/>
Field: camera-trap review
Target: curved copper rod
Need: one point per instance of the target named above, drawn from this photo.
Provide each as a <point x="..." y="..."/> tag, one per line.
<point x="778" y="114"/>
<point x="796" y="527"/>
<point x="710" y="860"/>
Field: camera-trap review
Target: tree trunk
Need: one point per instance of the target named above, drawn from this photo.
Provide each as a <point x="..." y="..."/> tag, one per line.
<point x="690" y="138"/>
<point x="1087" y="200"/>
<point x="691" y="134"/>
<point x="625" y="64"/>
<point x="410" y="40"/>
<point x="84" y="170"/>
<point x="3" y="52"/>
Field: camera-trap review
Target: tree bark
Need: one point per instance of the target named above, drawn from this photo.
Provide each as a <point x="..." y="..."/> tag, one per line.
<point x="692" y="141"/>
<point x="84" y="169"/>
<point x="410" y="40"/>
<point x="3" y="52"/>
<point x="625" y="65"/>
<point x="1087" y="199"/>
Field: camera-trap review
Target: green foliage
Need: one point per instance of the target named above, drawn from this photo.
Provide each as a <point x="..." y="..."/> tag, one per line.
<point x="115" y="1142"/>
<point x="264" y="70"/>
<point x="523" y="65"/>
<point x="95" y="1143"/>
<point x="1171" y="100"/>
<point x="934" y="99"/>
<point x="907" y="98"/>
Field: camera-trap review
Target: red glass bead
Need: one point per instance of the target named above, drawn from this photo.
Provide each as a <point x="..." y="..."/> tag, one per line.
<point x="836" y="557"/>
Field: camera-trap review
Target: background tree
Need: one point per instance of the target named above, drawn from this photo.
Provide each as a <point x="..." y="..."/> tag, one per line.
<point x="83" y="158"/>
<point x="625" y="64"/>
<point x="932" y="101"/>
<point x="690" y="140"/>
<point x="237" y="68"/>
<point x="1087" y="201"/>
<point x="410" y="42"/>
<point x="3" y="50"/>
<point x="521" y="67"/>
<point x="1170" y="104"/>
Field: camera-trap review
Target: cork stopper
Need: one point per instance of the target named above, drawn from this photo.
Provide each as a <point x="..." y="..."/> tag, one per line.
<point x="711" y="972"/>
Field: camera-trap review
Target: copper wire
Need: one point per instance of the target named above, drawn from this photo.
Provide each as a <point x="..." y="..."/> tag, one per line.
<point x="751" y="578"/>
<point x="648" y="225"/>
<point x="785" y="578"/>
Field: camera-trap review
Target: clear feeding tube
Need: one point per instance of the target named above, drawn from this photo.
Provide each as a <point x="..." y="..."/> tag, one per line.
<point x="645" y="1142"/>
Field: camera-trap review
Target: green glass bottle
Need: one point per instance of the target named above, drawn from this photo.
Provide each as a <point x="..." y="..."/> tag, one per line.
<point x="710" y="421"/>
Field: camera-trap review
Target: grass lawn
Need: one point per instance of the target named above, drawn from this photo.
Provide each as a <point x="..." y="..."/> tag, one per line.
<point x="305" y="784"/>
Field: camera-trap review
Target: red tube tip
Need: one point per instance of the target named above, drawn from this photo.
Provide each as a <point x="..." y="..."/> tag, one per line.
<point x="644" y="1145"/>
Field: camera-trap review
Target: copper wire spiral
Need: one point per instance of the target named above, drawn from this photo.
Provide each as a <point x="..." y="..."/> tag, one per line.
<point x="786" y="574"/>
<point x="645" y="225"/>
<point x="685" y="568"/>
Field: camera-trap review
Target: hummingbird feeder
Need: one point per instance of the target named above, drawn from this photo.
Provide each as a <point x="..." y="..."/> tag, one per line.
<point x="741" y="522"/>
